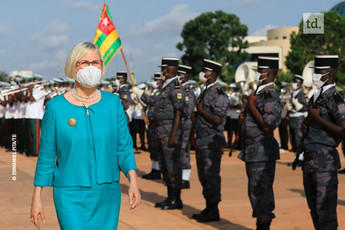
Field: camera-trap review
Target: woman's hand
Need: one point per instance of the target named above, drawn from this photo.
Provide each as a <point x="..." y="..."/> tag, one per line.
<point x="133" y="191"/>
<point x="37" y="208"/>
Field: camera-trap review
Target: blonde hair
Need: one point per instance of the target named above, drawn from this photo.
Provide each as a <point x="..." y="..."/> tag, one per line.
<point x="77" y="52"/>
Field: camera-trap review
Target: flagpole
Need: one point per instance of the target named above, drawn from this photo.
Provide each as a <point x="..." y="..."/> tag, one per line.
<point x="131" y="77"/>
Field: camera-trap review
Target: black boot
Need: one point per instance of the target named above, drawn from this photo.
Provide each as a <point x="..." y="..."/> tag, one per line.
<point x="175" y="202"/>
<point x="185" y="184"/>
<point x="166" y="201"/>
<point x="342" y="171"/>
<point x="196" y="216"/>
<point x="210" y="213"/>
<point x="153" y="175"/>
<point x="263" y="225"/>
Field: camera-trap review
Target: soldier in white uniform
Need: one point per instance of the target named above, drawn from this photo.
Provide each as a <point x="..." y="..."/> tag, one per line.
<point x="34" y="114"/>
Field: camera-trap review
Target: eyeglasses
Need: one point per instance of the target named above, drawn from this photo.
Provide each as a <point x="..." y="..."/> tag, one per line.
<point x="96" y="63"/>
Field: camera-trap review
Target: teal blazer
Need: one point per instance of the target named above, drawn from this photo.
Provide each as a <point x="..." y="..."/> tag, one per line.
<point x="64" y="154"/>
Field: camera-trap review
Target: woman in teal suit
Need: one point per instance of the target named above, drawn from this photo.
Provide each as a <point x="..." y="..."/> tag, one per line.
<point x="84" y="142"/>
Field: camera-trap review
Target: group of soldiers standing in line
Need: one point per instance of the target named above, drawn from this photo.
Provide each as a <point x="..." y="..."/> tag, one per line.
<point x="175" y="109"/>
<point x="316" y="129"/>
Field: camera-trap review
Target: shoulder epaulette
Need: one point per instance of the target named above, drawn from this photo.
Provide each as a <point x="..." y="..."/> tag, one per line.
<point x="337" y="97"/>
<point x="220" y="90"/>
<point x="267" y="93"/>
<point x="177" y="85"/>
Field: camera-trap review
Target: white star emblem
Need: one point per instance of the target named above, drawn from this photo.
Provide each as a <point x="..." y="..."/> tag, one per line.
<point x="105" y="22"/>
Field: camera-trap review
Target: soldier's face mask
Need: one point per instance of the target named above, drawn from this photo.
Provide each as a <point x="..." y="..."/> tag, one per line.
<point x="155" y="84"/>
<point x="117" y="82"/>
<point x="202" y="77"/>
<point x="317" y="79"/>
<point x="257" y="79"/>
<point x="294" y="86"/>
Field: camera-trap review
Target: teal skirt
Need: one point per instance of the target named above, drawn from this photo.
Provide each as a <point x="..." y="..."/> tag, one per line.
<point x="97" y="207"/>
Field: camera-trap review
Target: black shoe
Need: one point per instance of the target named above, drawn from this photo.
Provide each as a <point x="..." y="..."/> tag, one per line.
<point x="173" y="204"/>
<point x="208" y="215"/>
<point x="341" y="171"/>
<point x="185" y="184"/>
<point x="153" y="175"/>
<point x="163" y="203"/>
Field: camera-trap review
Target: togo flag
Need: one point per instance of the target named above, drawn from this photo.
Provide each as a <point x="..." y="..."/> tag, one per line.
<point x="106" y="37"/>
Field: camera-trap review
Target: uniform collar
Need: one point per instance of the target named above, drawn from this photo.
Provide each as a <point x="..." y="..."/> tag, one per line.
<point x="263" y="87"/>
<point x="294" y="93"/>
<point x="185" y="84"/>
<point x="210" y="85"/>
<point x="324" y="90"/>
<point x="168" y="81"/>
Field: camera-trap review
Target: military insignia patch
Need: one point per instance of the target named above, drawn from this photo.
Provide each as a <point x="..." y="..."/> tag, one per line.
<point x="179" y="96"/>
<point x="125" y="97"/>
<point x="157" y="93"/>
<point x="186" y="98"/>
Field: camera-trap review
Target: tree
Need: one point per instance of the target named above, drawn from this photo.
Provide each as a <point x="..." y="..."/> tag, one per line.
<point x="3" y="76"/>
<point x="305" y="46"/>
<point x="209" y="36"/>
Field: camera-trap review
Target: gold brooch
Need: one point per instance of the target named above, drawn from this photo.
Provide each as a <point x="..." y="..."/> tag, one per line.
<point x="72" y="122"/>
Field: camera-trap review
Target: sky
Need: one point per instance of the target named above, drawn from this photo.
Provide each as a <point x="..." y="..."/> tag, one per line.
<point x="37" y="35"/>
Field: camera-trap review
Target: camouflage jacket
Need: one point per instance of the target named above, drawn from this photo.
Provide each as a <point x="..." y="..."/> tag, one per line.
<point x="170" y="99"/>
<point x="215" y="102"/>
<point x="260" y="145"/>
<point x="190" y="101"/>
<point x="320" y="145"/>
<point x="150" y="101"/>
<point x="125" y="96"/>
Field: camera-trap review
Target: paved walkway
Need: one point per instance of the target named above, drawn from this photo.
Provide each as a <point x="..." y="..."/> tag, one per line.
<point x="291" y="206"/>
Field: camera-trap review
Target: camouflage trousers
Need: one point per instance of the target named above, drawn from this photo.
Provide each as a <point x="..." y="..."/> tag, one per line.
<point x="321" y="190"/>
<point x="260" y="189"/>
<point x="169" y="157"/>
<point x="151" y="139"/>
<point x="208" y="158"/>
<point x="295" y="124"/>
<point x="185" y="155"/>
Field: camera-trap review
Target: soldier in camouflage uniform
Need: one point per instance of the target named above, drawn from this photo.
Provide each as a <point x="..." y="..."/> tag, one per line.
<point x="323" y="135"/>
<point x="150" y="101"/>
<point x="212" y="105"/>
<point x="261" y="150"/>
<point x="186" y="123"/>
<point x="167" y="115"/>
<point x="123" y="91"/>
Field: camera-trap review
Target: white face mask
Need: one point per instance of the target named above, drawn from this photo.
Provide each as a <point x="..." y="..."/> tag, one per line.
<point x="202" y="77"/>
<point x="257" y="79"/>
<point x="89" y="76"/>
<point x="155" y="84"/>
<point x="117" y="83"/>
<point x="294" y="86"/>
<point x="317" y="80"/>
